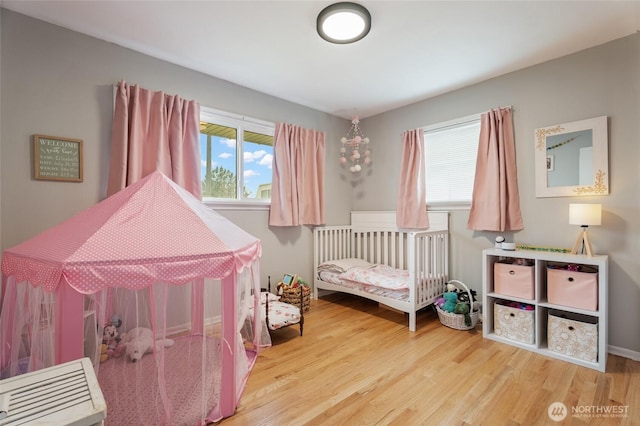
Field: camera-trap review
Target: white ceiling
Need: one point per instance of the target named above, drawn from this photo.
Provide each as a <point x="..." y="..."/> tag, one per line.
<point x="415" y="50"/>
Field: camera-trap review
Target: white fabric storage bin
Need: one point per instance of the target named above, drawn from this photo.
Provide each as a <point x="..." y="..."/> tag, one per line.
<point x="574" y="335"/>
<point x="514" y="323"/>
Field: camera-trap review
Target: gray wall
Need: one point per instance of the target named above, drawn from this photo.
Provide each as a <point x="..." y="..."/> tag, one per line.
<point x="604" y="80"/>
<point x="58" y="82"/>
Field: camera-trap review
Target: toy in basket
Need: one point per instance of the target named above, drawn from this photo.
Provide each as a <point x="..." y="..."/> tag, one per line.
<point x="295" y="291"/>
<point x="456" y="308"/>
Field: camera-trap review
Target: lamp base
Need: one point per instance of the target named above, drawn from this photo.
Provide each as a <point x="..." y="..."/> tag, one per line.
<point x="584" y="241"/>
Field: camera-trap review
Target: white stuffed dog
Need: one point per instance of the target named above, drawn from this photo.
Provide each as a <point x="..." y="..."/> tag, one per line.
<point x="139" y="341"/>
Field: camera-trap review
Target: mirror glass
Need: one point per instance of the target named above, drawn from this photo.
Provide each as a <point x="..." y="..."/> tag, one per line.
<point x="572" y="159"/>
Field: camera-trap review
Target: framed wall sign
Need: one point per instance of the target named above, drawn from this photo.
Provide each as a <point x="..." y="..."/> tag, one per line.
<point x="56" y="158"/>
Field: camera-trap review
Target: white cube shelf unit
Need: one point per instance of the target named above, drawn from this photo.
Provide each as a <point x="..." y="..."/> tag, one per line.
<point x="541" y="260"/>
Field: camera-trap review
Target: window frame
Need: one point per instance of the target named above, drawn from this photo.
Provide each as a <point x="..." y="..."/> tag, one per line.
<point x="456" y="122"/>
<point x="240" y="123"/>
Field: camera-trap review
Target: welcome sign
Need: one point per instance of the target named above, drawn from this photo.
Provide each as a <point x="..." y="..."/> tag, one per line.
<point x="56" y="158"/>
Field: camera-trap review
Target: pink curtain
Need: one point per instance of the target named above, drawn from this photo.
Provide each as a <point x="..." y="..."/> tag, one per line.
<point x="154" y="131"/>
<point x="297" y="187"/>
<point x="412" y="198"/>
<point x="495" y="204"/>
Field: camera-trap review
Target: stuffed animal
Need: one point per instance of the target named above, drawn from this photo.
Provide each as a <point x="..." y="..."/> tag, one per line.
<point x="463" y="296"/>
<point x="523" y="262"/>
<point x="111" y="346"/>
<point x="139" y="341"/>
<point x="463" y="308"/>
<point x="450" y="300"/>
<point x="439" y="302"/>
<point x="103" y="353"/>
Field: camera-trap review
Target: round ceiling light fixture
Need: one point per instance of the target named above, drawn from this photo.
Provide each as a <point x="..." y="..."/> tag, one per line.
<point x="344" y="22"/>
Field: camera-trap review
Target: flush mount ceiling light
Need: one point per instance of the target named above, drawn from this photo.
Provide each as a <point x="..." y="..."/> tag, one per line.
<point x="343" y="23"/>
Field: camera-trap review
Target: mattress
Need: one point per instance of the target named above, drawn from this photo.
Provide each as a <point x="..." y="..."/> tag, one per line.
<point x="334" y="277"/>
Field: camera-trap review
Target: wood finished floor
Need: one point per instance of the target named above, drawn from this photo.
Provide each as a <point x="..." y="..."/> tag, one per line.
<point x="358" y="364"/>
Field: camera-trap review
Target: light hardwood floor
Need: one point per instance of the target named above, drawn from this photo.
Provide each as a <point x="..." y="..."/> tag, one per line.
<point x="358" y="364"/>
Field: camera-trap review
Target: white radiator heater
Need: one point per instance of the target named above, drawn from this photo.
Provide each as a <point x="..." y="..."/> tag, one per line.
<point x="65" y="394"/>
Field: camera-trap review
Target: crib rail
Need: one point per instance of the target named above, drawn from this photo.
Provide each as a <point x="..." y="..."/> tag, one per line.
<point x="423" y="253"/>
<point x="389" y="247"/>
<point x="331" y="242"/>
<point x="429" y="265"/>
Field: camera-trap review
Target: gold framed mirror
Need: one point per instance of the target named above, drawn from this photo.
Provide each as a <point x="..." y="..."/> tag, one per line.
<point x="572" y="159"/>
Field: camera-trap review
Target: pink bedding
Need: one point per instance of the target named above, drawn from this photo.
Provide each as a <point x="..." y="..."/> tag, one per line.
<point x="378" y="275"/>
<point x="334" y="278"/>
<point x="281" y="314"/>
<point x="374" y="277"/>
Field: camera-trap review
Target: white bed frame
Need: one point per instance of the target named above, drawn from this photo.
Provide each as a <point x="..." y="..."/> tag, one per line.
<point x="374" y="236"/>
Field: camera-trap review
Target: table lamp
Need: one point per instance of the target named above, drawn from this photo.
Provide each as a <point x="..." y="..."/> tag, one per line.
<point x="584" y="215"/>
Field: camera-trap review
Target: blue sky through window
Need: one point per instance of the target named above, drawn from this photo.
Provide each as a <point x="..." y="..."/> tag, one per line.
<point x="257" y="162"/>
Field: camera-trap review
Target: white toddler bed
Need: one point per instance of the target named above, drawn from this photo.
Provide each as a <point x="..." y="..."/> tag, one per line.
<point x="372" y="258"/>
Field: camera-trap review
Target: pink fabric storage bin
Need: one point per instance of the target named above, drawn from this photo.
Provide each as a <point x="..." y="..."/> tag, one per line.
<point x="513" y="280"/>
<point x="577" y="289"/>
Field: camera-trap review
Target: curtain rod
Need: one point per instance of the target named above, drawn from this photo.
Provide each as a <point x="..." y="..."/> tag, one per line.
<point x="458" y="121"/>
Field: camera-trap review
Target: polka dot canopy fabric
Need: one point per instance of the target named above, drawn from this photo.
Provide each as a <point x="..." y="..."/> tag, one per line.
<point x="152" y="230"/>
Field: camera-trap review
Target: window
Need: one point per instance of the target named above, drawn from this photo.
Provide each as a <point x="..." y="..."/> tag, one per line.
<point x="237" y="155"/>
<point x="451" y="149"/>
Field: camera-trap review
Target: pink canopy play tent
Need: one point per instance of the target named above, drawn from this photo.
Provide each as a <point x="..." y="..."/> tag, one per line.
<point x="150" y="256"/>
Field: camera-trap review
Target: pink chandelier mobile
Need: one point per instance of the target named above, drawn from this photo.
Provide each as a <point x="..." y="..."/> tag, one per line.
<point x="356" y="146"/>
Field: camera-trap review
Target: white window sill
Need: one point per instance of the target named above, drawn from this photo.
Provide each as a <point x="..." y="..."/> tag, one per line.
<point x="237" y="205"/>
<point x="449" y="206"/>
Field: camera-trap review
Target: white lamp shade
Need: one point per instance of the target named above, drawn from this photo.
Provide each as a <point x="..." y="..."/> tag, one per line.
<point x="585" y="214"/>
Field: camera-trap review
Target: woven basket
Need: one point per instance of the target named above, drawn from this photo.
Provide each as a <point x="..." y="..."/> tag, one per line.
<point x="291" y="295"/>
<point x="456" y="321"/>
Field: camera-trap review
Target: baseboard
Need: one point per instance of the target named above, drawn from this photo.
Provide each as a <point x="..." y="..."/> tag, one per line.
<point x="183" y="328"/>
<point x="625" y="353"/>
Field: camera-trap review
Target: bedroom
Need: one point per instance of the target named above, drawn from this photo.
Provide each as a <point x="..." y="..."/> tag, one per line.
<point x="76" y="100"/>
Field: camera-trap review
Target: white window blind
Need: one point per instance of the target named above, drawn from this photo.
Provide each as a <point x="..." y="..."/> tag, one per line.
<point x="450" y="157"/>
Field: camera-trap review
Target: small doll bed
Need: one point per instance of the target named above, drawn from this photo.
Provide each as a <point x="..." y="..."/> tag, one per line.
<point x="279" y="314"/>
<point x="276" y="313"/>
<point x="372" y="258"/>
